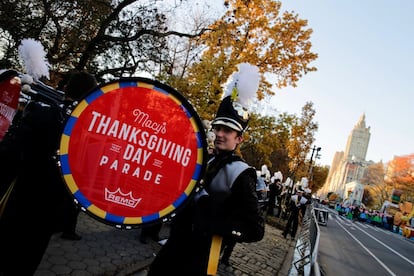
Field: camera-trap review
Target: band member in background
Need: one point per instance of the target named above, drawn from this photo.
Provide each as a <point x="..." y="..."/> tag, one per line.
<point x="34" y="206"/>
<point x="226" y="207"/>
<point x="75" y="86"/>
<point x="297" y="205"/>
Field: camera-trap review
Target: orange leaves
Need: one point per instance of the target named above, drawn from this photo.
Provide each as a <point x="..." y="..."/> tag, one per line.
<point x="255" y="32"/>
<point x="400" y="175"/>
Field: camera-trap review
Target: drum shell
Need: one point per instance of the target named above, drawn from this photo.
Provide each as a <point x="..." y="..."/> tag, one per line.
<point x="129" y="179"/>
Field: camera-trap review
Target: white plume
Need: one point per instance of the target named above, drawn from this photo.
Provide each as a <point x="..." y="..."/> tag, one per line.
<point x="26" y="79"/>
<point x="304" y="182"/>
<point x="34" y="57"/>
<point x="264" y="169"/>
<point x="289" y="182"/>
<point x="246" y="81"/>
<point x="277" y="175"/>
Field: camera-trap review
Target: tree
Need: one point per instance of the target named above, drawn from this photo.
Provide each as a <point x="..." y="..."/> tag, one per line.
<point x="254" y="32"/>
<point x="319" y="175"/>
<point x="280" y="156"/>
<point x="120" y="38"/>
<point x="368" y="198"/>
<point x="376" y="188"/>
<point x="108" y="38"/>
<point x="266" y="141"/>
<point x="114" y="39"/>
<point x="333" y="196"/>
<point x="400" y="175"/>
<point x="301" y="139"/>
<point x="282" y="143"/>
<point x="259" y="145"/>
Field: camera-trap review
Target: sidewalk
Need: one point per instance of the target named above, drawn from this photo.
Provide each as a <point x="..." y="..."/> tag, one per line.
<point x="106" y="250"/>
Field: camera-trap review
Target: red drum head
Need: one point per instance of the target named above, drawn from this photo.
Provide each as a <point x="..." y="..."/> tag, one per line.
<point x="9" y="99"/>
<point x="132" y="152"/>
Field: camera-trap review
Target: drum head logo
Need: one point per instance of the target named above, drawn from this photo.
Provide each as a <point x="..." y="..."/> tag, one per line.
<point x="132" y="152"/>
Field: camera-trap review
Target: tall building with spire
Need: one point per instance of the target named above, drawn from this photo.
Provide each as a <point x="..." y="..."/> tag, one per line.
<point x="358" y="140"/>
<point x="349" y="166"/>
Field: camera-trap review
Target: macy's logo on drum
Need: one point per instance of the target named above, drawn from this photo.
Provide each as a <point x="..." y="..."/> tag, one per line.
<point x="119" y="197"/>
<point x="144" y="120"/>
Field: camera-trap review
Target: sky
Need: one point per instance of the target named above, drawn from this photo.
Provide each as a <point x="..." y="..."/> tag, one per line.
<point x="365" y="66"/>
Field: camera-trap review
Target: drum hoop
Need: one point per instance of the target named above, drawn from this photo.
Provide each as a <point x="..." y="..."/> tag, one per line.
<point x="123" y="221"/>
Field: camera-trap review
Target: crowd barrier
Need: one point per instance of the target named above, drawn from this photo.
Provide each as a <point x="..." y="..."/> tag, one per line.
<point x="305" y="257"/>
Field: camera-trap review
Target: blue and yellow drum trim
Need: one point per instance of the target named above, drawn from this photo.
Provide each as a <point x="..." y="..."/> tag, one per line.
<point x="71" y="183"/>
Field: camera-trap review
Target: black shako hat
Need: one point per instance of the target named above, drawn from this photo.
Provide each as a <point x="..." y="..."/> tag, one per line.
<point x="240" y="90"/>
<point x="228" y="115"/>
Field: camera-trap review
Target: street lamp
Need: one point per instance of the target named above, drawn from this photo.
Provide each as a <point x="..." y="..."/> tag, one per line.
<point x="317" y="155"/>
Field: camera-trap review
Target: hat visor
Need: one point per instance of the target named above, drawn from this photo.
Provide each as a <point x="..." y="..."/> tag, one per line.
<point x="228" y="123"/>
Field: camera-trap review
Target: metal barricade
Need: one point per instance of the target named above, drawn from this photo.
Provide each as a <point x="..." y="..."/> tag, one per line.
<point x="306" y="249"/>
<point x="321" y="216"/>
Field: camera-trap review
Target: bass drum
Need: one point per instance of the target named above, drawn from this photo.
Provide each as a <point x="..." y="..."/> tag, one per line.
<point x="132" y="152"/>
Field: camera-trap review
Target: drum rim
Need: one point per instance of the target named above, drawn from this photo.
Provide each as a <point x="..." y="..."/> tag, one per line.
<point x="199" y="132"/>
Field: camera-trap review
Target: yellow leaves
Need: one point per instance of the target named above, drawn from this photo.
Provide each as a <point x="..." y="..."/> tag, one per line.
<point x="279" y="44"/>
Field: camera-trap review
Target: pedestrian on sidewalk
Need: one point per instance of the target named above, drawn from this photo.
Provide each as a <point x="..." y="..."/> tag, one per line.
<point x="226" y="207"/>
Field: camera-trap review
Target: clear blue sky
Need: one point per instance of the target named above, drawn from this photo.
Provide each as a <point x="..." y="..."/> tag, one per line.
<point x="365" y="65"/>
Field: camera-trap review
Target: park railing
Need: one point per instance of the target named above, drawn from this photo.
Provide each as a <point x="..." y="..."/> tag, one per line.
<point x="305" y="257"/>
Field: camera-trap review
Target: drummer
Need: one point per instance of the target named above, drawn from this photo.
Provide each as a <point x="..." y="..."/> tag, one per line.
<point x="225" y="211"/>
<point x="34" y="203"/>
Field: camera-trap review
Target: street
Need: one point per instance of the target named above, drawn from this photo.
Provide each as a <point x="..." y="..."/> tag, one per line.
<point x="355" y="248"/>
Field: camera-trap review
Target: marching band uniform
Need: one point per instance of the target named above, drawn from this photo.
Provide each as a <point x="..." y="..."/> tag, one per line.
<point x="35" y="205"/>
<point x="32" y="205"/>
<point x="75" y="86"/>
<point x="225" y="208"/>
<point x="297" y="204"/>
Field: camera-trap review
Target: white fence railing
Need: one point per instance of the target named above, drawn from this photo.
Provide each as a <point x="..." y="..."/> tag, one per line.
<point x="305" y="257"/>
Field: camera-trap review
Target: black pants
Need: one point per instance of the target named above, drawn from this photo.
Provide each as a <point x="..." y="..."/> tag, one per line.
<point x="292" y="224"/>
<point x="70" y="216"/>
<point x="227" y="249"/>
<point x="151" y="231"/>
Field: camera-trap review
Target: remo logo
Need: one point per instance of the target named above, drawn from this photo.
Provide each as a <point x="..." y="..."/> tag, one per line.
<point x="132" y="151"/>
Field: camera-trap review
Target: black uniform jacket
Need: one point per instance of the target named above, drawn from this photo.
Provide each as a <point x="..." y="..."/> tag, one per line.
<point x="227" y="206"/>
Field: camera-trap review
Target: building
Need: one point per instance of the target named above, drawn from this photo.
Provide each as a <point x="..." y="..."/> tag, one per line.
<point x="358" y="141"/>
<point x="353" y="194"/>
<point x="349" y="165"/>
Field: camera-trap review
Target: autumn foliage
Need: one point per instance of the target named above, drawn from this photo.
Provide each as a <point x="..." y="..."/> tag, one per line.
<point x="397" y="175"/>
<point x="400" y="175"/>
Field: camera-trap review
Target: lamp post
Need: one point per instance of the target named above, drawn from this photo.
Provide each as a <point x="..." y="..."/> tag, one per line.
<point x="317" y="150"/>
